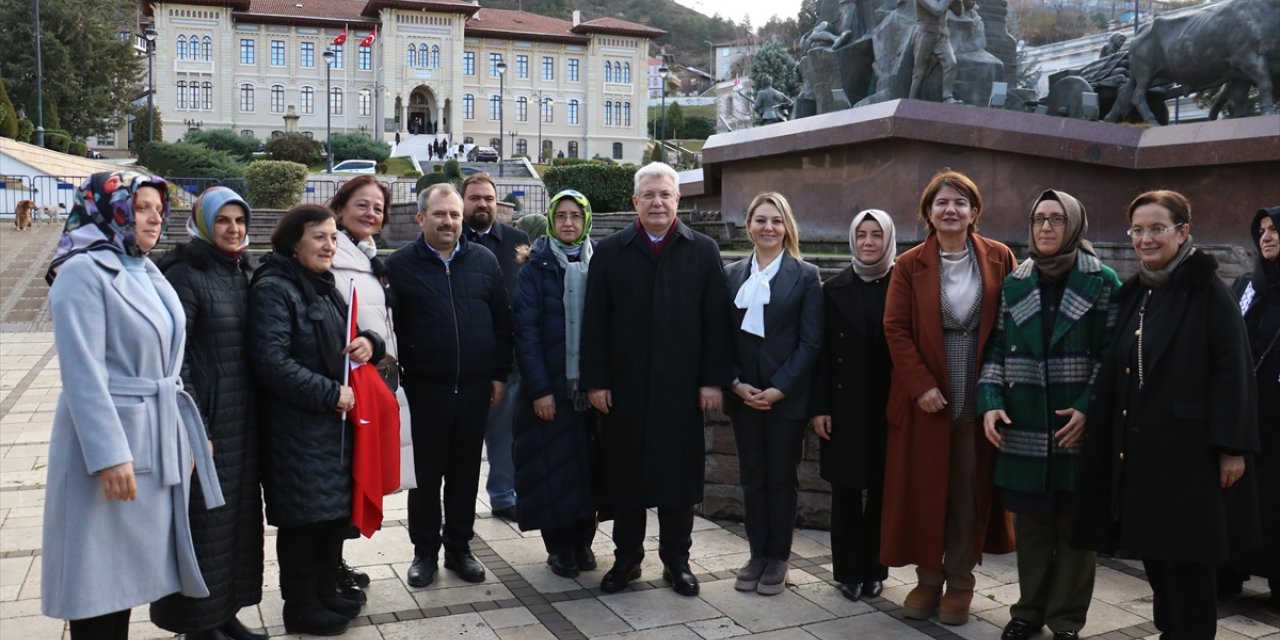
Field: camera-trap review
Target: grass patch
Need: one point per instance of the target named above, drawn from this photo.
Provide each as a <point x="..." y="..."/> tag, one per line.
<point x="400" y="166"/>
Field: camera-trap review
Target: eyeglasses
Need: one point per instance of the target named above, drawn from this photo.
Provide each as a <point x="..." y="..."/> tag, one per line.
<point x="1155" y="232"/>
<point x="1056" y="220"/>
<point x="561" y="218"/>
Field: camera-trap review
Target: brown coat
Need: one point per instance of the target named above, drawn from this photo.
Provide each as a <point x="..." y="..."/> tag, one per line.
<point x="918" y="453"/>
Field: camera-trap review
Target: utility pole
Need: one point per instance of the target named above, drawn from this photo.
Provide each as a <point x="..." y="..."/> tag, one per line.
<point x="39" y="138"/>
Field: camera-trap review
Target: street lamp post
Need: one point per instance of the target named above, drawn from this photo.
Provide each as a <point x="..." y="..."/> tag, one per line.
<point x="542" y="115"/>
<point x="328" y="109"/>
<point x="39" y="139"/>
<point x="662" y="144"/>
<point x="150" y="35"/>
<point x="502" y="89"/>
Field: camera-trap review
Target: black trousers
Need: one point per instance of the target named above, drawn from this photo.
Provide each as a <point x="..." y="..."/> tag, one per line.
<point x="570" y="537"/>
<point x="309" y="556"/>
<point x="109" y="626"/>
<point x="768" y="453"/>
<point x="1186" y="598"/>
<point x="448" y="435"/>
<point x="675" y="534"/>
<point x="855" y="535"/>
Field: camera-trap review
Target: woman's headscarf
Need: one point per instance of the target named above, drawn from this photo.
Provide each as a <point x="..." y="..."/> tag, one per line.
<point x="1266" y="273"/>
<point x="878" y="269"/>
<point x="205" y="209"/>
<point x="586" y="217"/>
<point x="102" y="216"/>
<point x="1058" y="265"/>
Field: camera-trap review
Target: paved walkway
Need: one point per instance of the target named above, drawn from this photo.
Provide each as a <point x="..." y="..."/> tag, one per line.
<point x="520" y="599"/>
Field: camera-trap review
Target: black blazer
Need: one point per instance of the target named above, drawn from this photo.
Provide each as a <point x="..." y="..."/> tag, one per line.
<point x="784" y="358"/>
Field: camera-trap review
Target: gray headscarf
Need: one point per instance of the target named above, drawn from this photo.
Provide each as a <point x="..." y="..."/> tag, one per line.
<point x="878" y="269"/>
<point x="1058" y="265"/>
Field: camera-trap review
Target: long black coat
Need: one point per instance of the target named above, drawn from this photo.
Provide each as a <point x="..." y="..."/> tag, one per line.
<point x="1263" y="322"/>
<point x="552" y="459"/>
<point x="653" y="333"/>
<point x="1149" y="484"/>
<point x="851" y="381"/>
<point x="214" y="290"/>
<point x="295" y="334"/>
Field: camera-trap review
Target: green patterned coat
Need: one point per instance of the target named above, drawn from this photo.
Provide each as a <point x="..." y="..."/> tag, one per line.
<point x="1029" y="384"/>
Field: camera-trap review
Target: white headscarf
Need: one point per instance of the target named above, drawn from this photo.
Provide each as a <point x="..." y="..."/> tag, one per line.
<point x="878" y="269"/>
<point x="753" y="295"/>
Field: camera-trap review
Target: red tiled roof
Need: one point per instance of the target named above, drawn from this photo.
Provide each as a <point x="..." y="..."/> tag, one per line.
<point x="447" y="6"/>
<point x="620" y="27"/>
<point x="305" y="12"/>
<point x="505" y="23"/>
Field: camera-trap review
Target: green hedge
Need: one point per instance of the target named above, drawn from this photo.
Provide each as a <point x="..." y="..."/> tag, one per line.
<point x="433" y="178"/>
<point x="78" y="148"/>
<point x="185" y="160"/>
<point x="515" y="201"/>
<point x="295" y="147"/>
<point x="57" y="140"/>
<point x="607" y="186"/>
<point x="275" y="184"/>
<point x="26" y="130"/>
<point x="238" y="146"/>
<point x="354" y="146"/>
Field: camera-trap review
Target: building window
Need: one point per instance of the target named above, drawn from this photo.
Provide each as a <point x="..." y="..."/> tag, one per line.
<point x="468" y="107"/>
<point x="495" y="142"/>
<point x="435" y="56"/>
<point x="626" y="73"/>
<point x="246" y="97"/>
<point x="193" y="93"/>
<point x="364" y="58"/>
<point x="522" y="147"/>
<point x="248" y="133"/>
<point x="307" y="56"/>
<point x="366" y="99"/>
<point x="412" y="58"/>
<point x="522" y="109"/>
<point x="182" y="94"/>
<point x="608" y="71"/>
<point x="246" y="51"/>
<point x="422" y="56"/>
<point x="494" y="59"/>
<point x="573" y="112"/>
<point x="573" y="70"/>
<point x="548" y="68"/>
<point x="522" y="66"/>
<point x="277" y="98"/>
<point x="573" y="148"/>
<point x="208" y="48"/>
<point x="617" y="151"/>
<point x="617" y="113"/>
<point x="277" y="53"/>
<point x="469" y="63"/>
<point x="308" y="100"/>
<point x="337" y="55"/>
<point x="548" y="150"/>
<point x="608" y="113"/>
<point x="182" y="49"/>
<point x="495" y="107"/>
<point x="626" y="114"/>
<point x="335" y="101"/>
<point x="208" y="95"/>
<point x="107" y="139"/>
<point x="548" y="112"/>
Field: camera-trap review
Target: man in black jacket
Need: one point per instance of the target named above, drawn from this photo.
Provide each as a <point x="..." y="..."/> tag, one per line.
<point x="453" y="325"/>
<point x="479" y="211"/>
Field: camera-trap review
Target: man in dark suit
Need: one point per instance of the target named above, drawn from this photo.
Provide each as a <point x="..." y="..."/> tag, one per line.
<point x="655" y="355"/>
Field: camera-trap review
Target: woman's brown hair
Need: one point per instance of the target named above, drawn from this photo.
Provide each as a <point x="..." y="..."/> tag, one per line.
<point x="958" y="181"/>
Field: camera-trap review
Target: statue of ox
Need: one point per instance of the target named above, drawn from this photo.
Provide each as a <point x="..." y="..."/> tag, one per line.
<point x="1224" y="42"/>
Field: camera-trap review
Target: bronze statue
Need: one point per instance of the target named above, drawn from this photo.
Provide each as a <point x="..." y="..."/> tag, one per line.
<point x="1113" y="45"/>
<point x="933" y="48"/>
<point x="770" y="104"/>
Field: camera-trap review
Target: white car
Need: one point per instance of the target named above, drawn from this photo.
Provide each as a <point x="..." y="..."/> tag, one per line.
<point x="356" y="166"/>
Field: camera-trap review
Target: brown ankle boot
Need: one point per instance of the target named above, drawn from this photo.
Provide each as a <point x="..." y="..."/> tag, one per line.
<point x="955" y="606"/>
<point x="922" y="602"/>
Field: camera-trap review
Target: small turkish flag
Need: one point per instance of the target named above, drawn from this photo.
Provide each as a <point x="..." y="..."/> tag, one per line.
<point x="368" y="40"/>
<point x="342" y="37"/>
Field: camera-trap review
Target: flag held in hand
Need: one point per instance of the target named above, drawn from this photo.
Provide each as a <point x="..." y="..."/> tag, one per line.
<point x="376" y="420"/>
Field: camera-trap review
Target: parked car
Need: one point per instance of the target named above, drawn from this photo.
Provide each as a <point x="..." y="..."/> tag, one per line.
<point x="482" y="154"/>
<point x="356" y="166"/>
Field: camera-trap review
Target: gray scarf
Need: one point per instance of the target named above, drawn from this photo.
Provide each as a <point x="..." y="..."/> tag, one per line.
<point x="575" y="295"/>
<point x="1155" y="278"/>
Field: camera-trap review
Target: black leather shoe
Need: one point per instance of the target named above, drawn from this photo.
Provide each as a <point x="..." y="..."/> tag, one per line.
<point x="510" y="514"/>
<point x="235" y="630"/>
<point x="340" y="605"/>
<point x="563" y="565"/>
<point x="314" y="619"/>
<point x="465" y="565"/>
<point x="349" y="576"/>
<point x="1019" y="629"/>
<point x="681" y="579"/>
<point x="422" y="572"/>
<point x="851" y="590"/>
<point x="586" y="558"/>
<point x="872" y="588"/>
<point x="617" y="578"/>
<point x="1066" y="635"/>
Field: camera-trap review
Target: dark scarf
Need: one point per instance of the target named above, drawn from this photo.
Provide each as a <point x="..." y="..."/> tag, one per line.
<point x="1266" y="273"/>
<point x="318" y="290"/>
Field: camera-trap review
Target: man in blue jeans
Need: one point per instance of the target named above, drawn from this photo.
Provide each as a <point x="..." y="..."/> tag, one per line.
<point x="479" y="213"/>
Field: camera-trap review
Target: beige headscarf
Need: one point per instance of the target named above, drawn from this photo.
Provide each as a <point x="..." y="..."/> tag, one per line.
<point x="1058" y="265"/>
<point x="878" y="269"/>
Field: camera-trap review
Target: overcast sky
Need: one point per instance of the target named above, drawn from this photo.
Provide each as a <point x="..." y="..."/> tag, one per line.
<point x="759" y="10"/>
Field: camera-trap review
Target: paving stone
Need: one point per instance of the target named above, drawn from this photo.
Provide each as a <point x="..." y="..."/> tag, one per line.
<point x="717" y="628"/>
<point x="460" y="595"/>
<point x="1247" y="626"/>
<point x="828" y="597"/>
<point x="1114" y="587"/>
<point x="530" y="632"/>
<point x="658" y="607"/>
<point x="876" y="625"/>
<point x="539" y="576"/>
<point x="387" y="596"/>
<point x="762" y="613"/>
<point x="592" y="617"/>
<point x="677" y="632"/>
<point x="468" y="625"/>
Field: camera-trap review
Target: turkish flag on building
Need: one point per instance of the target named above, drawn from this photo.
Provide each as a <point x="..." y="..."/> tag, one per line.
<point x="342" y="37"/>
<point x="368" y="40"/>
<point x="376" y="419"/>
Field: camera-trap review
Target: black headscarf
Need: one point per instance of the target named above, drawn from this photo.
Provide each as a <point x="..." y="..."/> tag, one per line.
<point x="1266" y="273"/>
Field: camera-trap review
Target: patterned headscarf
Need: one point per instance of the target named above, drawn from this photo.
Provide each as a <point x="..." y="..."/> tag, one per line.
<point x="586" y="217"/>
<point x="102" y="217"/>
<point x="205" y="209"/>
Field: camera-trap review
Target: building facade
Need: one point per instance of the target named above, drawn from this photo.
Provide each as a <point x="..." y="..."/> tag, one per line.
<point x="405" y="67"/>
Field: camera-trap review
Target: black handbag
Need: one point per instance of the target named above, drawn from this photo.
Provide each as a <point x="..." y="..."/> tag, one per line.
<point x="389" y="370"/>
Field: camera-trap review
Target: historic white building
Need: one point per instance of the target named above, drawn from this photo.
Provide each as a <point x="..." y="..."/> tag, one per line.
<point x="406" y="66"/>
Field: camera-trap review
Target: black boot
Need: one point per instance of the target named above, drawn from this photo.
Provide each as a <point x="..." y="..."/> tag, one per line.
<point x="336" y="603"/>
<point x="314" y="619"/>
<point x="234" y="630"/>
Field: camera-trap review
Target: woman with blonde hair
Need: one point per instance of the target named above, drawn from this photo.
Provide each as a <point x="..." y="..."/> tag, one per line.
<point x="776" y="319"/>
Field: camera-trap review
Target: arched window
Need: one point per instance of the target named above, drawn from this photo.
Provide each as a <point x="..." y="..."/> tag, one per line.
<point x="608" y="71"/>
<point x="423" y="60"/>
<point x="208" y="49"/>
<point x="468" y="107"/>
<point x="573" y="112"/>
<point x="308" y="100"/>
<point x="335" y="101"/>
<point x="608" y="113"/>
<point x="246" y="97"/>
<point x="522" y="147"/>
<point x="193" y="90"/>
<point x="495" y="142"/>
<point x="522" y="109"/>
<point x="182" y="94"/>
<point x="207" y="95"/>
<point x="248" y="133"/>
<point x="617" y="151"/>
<point x="573" y="148"/>
<point x="548" y="112"/>
<point x="626" y="114"/>
<point x="617" y="113"/>
<point x="277" y="98"/>
<point x="626" y="72"/>
<point x="495" y="107"/>
<point x="435" y="56"/>
<point x="412" y="58"/>
<point x="182" y="49"/>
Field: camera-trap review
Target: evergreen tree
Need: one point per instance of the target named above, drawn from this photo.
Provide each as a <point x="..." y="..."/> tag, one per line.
<point x="8" y="115"/>
<point x="774" y="61"/>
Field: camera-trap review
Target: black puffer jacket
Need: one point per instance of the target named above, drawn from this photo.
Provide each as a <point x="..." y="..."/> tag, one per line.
<point x="453" y="323"/>
<point x="214" y="290"/>
<point x="295" y="340"/>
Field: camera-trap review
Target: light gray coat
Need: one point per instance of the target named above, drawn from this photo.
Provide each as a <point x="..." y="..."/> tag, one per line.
<point x="122" y="401"/>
